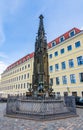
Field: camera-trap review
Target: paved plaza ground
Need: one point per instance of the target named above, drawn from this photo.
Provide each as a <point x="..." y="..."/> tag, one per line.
<point x="75" y="123"/>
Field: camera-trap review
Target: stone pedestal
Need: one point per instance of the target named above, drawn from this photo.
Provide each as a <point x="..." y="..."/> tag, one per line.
<point x="46" y="109"/>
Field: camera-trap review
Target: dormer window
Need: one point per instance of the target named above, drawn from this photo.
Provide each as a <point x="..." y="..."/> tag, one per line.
<point x="53" y="43"/>
<point x="72" y="33"/>
<point x="62" y="39"/>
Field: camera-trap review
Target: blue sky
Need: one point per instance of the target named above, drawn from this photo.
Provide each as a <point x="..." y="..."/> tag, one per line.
<point x="19" y="24"/>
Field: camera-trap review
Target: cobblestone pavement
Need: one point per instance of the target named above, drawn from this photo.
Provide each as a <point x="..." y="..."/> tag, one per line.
<point x="74" y="123"/>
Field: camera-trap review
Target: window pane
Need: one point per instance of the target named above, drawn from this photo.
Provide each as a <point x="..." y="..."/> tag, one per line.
<point x="61" y="39"/>
<point x="72" y="78"/>
<point x="53" y="43"/>
<point x="80" y="60"/>
<point x="69" y="48"/>
<point x="21" y="86"/>
<point x="57" y="81"/>
<point x="51" y="68"/>
<point x="63" y="65"/>
<point x="62" y="51"/>
<point x="81" y="77"/>
<point x="51" y="81"/>
<point x="28" y="75"/>
<point x="28" y="65"/>
<point x="19" y="77"/>
<point x="77" y="44"/>
<point x="24" y="85"/>
<point x="50" y="56"/>
<point x="56" y="66"/>
<point x="71" y="63"/>
<point x="22" y="77"/>
<point x="72" y="33"/>
<point x="25" y="66"/>
<point x="64" y="79"/>
<point x="56" y="53"/>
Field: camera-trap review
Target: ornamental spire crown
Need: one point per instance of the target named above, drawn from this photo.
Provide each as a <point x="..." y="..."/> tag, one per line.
<point x="41" y="31"/>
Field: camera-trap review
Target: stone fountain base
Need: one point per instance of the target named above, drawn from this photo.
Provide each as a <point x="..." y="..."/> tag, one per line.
<point x="36" y="109"/>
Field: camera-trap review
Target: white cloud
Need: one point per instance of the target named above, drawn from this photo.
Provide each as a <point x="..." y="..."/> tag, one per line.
<point x="3" y="55"/>
<point x="2" y="66"/>
<point x="81" y="28"/>
<point x="2" y="35"/>
<point x="12" y="6"/>
<point x="8" y="7"/>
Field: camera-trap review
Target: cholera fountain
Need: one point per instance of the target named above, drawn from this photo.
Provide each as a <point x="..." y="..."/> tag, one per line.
<point x="40" y="103"/>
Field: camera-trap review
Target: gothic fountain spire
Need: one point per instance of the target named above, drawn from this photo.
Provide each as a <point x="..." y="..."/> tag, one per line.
<point x="41" y="27"/>
<point x="40" y="80"/>
<point x="41" y="41"/>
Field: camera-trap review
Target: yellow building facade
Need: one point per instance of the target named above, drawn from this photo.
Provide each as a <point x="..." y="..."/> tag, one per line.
<point x="65" y="68"/>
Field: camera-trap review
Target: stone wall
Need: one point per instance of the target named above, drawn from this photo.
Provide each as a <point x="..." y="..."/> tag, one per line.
<point x="40" y="108"/>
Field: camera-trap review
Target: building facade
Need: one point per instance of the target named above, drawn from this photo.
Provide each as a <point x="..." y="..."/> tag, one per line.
<point x="65" y="68"/>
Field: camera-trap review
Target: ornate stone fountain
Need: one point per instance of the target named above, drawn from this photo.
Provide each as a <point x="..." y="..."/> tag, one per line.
<point x="41" y="104"/>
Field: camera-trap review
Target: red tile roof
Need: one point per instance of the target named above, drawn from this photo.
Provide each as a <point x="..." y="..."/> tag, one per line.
<point x="57" y="40"/>
<point x="23" y="59"/>
<point x="66" y="36"/>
